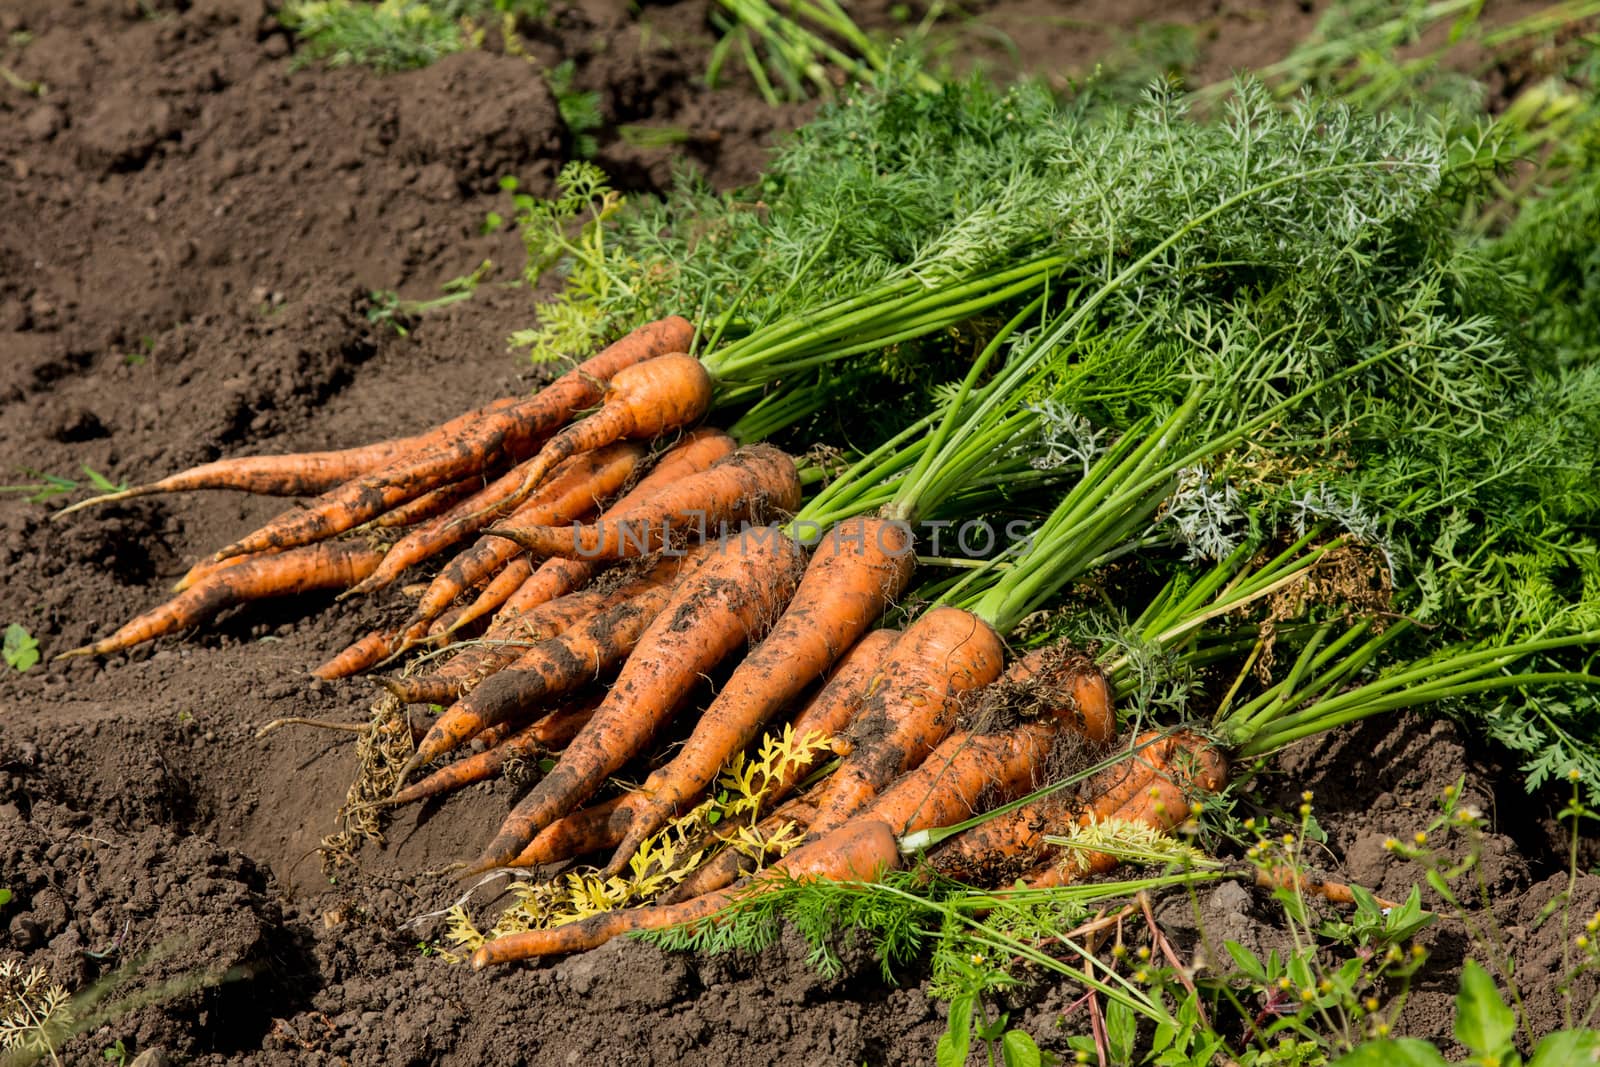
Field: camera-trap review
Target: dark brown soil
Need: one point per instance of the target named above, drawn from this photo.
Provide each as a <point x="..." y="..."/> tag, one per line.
<point x="189" y="229"/>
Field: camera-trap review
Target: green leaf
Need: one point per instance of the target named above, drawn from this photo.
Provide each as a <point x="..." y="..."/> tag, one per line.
<point x="1401" y="1052"/>
<point x="1017" y="1049"/>
<point x="100" y="481"/>
<point x="1568" y="1046"/>
<point x="1120" y="1028"/>
<point x="20" y="649"/>
<point x="1246" y="961"/>
<point x="956" y="1040"/>
<point x="5" y="897"/>
<point x="1483" y="1022"/>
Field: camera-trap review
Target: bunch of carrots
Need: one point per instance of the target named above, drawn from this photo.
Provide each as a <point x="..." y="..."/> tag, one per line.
<point x="611" y="550"/>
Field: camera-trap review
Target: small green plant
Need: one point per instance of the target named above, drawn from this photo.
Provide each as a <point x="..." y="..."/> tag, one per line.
<point x="118" y="1054"/>
<point x="1487" y="1026"/>
<point x="21" y="651"/>
<point x="50" y="486"/>
<point x="397" y="34"/>
<point x="388" y="309"/>
<point x="5" y="897"/>
<point x="580" y="110"/>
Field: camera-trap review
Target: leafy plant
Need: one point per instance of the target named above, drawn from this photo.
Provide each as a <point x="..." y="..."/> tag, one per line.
<point x="35" y="1013"/>
<point x="580" y="109"/>
<point x="388" y="309"/>
<point x="21" y="650"/>
<point x="50" y="486"/>
<point x="393" y="35"/>
<point x="1486" y="1026"/>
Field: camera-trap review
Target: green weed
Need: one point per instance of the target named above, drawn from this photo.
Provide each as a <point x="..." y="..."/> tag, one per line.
<point x="21" y="651"/>
<point x="50" y="486"/>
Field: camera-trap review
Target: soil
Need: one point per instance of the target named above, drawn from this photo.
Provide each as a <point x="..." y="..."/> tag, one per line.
<point x="190" y="228"/>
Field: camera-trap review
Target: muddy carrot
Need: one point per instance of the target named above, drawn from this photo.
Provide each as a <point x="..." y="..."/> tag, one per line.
<point x="549" y="732"/>
<point x="860" y="852"/>
<point x="428" y="505"/>
<point x="560" y="664"/>
<point x="208" y="567"/>
<point x="647" y="399"/>
<point x="574" y="489"/>
<point x="500" y="647"/>
<point x="944" y="654"/>
<point x="754" y="483"/>
<point x="297" y="473"/>
<point x="510" y="431"/>
<point x="571" y="835"/>
<point x="328" y="566"/>
<point x="858" y="568"/>
<point x="505" y="585"/>
<point x="1165" y="781"/>
<point x="698" y="450"/>
<point x="729" y="599"/>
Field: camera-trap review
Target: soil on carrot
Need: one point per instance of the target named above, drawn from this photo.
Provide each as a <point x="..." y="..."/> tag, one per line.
<point x="190" y="231"/>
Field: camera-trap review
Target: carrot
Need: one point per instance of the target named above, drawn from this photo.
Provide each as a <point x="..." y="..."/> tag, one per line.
<point x="827" y="713"/>
<point x="752" y="483"/>
<point x="860" y="852"/>
<point x="207" y="567"/>
<point x="328" y="566"/>
<point x="1007" y="846"/>
<point x="858" y="568"/>
<point x="297" y="473"/>
<point x="998" y="850"/>
<point x="511" y="577"/>
<point x="837" y="702"/>
<point x="571" y="835"/>
<point x="548" y="732"/>
<point x="575" y="488"/>
<point x="359" y="656"/>
<point x="510" y="431"/>
<point x="730" y="598"/>
<point x="644" y="400"/>
<point x="696" y="452"/>
<point x="427" y="505"/>
<point x="501" y="647"/>
<point x="1157" y="794"/>
<point x="942" y="655"/>
<point x="558" y="665"/>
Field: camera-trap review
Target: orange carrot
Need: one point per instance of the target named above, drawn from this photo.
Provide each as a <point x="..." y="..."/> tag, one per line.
<point x="551" y="731"/>
<point x="574" y="489"/>
<point x="942" y="655"/>
<point x="669" y="392"/>
<point x="510" y="578"/>
<point x="328" y="566"/>
<point x="207" y="567"/>
<point x="510" y="431"/>
<point x="696" y="452"/>
<point x="560" y="664"/>
<point x="754" y="483"/>
<point x="571" y="835"/>
<point x="1167" y="776"/>
<point x="359" y="656"/>
<point x="501" y="647"/>
<point x="860" y="852"/>
<point x="734" y="593"/>
<point x="297" y="473"/>
<point x="827" y="714"/>
<point x="858" y="568"/>
<point x="427" y="505"/>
